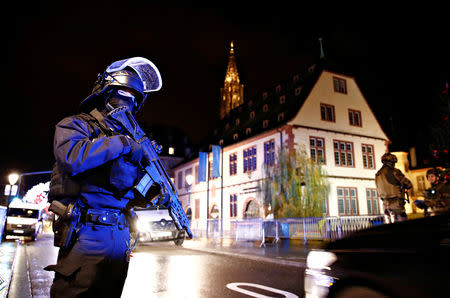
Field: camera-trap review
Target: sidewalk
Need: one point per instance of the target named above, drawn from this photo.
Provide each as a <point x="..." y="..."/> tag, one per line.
<point x="286" y="252"/>
<point x="7" y="258"/>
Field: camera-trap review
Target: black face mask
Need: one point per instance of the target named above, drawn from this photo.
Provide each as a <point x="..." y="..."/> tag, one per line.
<point x="122" y="98"/>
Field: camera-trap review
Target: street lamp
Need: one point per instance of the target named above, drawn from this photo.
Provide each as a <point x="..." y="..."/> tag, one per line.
<point x="189" y="181"/>
<point x="13" y="177"/>
<point x="11" y="188"/>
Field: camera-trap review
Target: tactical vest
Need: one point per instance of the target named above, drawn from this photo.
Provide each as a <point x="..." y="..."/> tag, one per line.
<point x="62" y="185"/>
<point x="387" y="185"/>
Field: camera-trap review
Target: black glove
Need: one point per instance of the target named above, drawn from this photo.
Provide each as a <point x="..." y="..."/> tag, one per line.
<point x="136" y="151"/>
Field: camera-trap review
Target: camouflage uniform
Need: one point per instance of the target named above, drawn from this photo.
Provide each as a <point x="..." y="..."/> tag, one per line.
<point x="438" y="198"/>
<point x="391" y="183"/>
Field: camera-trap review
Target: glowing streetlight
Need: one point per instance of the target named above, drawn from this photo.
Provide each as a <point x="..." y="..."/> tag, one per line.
<point x="13" y="177"/>
<point x="189" y="181"/>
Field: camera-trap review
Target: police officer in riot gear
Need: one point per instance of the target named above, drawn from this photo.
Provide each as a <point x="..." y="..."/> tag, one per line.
<point x="95" y="170"/>
<point x="391" y="185"/>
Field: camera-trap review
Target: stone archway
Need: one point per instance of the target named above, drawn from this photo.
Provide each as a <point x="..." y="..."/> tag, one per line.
<point x="251" y="209"/>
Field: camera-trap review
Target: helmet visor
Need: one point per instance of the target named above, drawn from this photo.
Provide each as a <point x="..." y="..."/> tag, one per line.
<point x="147" y="71"/>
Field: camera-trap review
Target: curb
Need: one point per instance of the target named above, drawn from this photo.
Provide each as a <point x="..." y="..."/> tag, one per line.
<point x="4" y="292"/>
<point x="298" y="262"/>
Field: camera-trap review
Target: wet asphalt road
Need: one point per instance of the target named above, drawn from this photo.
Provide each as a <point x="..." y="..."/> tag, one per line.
<point x="165" y="270"/>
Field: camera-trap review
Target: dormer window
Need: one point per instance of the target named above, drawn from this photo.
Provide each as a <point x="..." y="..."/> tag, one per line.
<point x="227" y="126"/>
<point x="221" y="142"/>
<point x="248" y="131"/>
<point x="340" y="85"/>
<point x="298" y="90"/>
<point x="281" y="117"/>
<point x="264" y="95"/>
<point x="282" y="99"/>
<point x="265" y="123"/>
<point x="278" y="88"/>
<point x="296" y="78"/>
<point x="265" y="108"/>
<point x="250" y="103"/>
<point x="235" y="136"/>
<point x="252" y="115"/>
<point x="312" y="68"/>
<point x="238" y="121"/>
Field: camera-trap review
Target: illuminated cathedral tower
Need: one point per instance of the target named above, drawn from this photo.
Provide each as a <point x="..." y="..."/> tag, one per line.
<point x="232" y="93"/>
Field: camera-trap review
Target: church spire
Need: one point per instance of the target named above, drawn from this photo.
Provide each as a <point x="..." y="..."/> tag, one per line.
<point x="232" y="93"/>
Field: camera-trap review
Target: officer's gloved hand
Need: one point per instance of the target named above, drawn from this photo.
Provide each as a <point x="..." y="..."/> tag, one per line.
<point x="136" y="152"/>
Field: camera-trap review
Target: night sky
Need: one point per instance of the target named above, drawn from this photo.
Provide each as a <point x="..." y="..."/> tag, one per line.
<point x="54" y="51"/>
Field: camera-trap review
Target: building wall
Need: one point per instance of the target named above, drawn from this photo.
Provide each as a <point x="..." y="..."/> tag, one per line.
<point x="298" y="131"/>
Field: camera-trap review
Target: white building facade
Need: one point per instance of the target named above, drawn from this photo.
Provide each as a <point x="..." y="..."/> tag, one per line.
<point x="336" y="127"/>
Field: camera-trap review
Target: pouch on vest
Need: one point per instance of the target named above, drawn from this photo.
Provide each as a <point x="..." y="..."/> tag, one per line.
<point x="62" y="185"/>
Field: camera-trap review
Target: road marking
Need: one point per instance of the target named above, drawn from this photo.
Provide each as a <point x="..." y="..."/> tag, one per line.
<point x="235" y="287"/>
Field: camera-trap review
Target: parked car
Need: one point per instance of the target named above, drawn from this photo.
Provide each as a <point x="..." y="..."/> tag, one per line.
<point x="155" y="224"/>
<point x="405" y="259"/>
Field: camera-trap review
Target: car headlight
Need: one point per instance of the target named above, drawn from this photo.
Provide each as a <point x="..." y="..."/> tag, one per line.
<point x="142" y="226"/>
<point x="318" y="259"/>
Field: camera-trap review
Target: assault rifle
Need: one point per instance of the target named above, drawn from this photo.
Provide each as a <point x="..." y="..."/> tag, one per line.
<point x="155" y="172"/>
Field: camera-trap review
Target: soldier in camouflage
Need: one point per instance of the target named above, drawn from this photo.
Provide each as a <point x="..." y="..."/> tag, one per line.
<point x="437" y="198"/>
<point x="391" y="185"/>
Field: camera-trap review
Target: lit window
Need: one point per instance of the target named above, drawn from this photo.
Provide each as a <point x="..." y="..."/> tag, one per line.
<point x="233" y="205"/>
<point x="317" y="149"/>
<point x="282" y="99"/>
<point x="327" y="112"/>
<point x="233" y="164"/>
<point x="354" y="117"/>
<point x="343" y="153"/>
<point x="281" y="117"/>
<point x="368" y="156"/>
<point x="171" y="151"/>
<point x="265" y="108"/>
<point x="249" y="159"/>
<point x="269" y="152"/>
<point x="340" y="85"/>
<point x="235" y="136"/>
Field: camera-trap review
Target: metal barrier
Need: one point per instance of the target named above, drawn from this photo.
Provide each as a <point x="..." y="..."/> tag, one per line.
<point x="310" y="228"/>
<point x="3" y="210"/>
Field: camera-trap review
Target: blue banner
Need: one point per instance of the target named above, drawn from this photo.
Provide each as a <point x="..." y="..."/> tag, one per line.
<point x="216" y="161"/>
<point x="202" y="166"/>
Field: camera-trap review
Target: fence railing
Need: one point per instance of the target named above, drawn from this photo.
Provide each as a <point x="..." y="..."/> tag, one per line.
<point x="317" y="228"/>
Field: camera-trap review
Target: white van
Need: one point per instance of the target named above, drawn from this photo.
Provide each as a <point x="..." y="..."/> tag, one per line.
<point x="23" y="220"/>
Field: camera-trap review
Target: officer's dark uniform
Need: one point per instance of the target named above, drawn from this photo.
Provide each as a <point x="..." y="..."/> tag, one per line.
<point x="102" y="164"/>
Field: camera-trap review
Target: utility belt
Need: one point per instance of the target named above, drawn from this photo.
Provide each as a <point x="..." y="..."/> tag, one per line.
<point x="70" y="217"/>
<point x="104" y="217"/>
